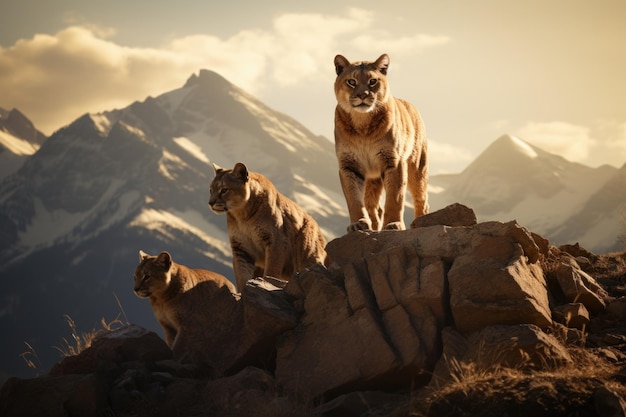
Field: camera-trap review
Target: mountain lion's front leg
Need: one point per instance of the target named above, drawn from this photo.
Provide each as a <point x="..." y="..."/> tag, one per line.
<point x="373" y="191"/>
<point x="395" y="181"/>
<point x="243" y="265"/>
<point x="275" y="259"/>
<point x="353" y="187"/>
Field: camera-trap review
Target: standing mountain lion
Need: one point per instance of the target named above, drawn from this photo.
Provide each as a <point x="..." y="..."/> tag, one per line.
<point x="181" y="300"/>
<point x="380" y="144"/>
<point x="267" y="230"/>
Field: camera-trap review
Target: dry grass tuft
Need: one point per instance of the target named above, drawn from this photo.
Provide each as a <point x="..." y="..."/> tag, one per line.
<point x="31" y="358"/>
<point x="79" y="341"/>
<point x="475" y="390"/>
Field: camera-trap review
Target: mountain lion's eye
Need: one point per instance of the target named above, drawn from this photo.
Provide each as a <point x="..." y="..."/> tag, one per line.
<point x="223" y="190"/>
<point x="351" y="82"/>
<point x="146" y="277"/>
<point x="373" y="82"/>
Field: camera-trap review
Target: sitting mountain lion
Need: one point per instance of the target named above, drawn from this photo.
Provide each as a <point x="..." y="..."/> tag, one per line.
<point x="180" y="299"/>
<point x="270" y="235"/>
<point x="380" y="144"/>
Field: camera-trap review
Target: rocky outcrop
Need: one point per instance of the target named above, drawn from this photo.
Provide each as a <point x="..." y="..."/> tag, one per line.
<point x="393" y="310"/>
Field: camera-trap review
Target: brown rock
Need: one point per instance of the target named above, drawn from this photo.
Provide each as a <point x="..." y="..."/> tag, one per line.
<point x="240" y="331"/>
<point x="454" y="349"/>
<point x="523" y="346"/>
<point x="362" y="403"/>
<point x="486" y="291"/>
<point x="576" y="250"/>
<point x="249" y="389"/>
<point x="54" y="396"/>
<point x="617" y="308"/>
<point x="267" y="313"/>
<point x="453" y="215"/>
<point x="377" y="309"/>
<point x="609" y="403"/>
<point x="127" y="343"/>
<point x="573" y="315"/>
<point x="442" y="242"/>
<point x="579" y="287"/>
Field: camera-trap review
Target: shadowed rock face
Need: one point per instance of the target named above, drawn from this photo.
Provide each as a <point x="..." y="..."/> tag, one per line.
<point x="377" y="314"/>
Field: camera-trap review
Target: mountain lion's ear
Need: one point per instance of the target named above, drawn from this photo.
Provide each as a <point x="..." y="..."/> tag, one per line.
<point x="165" y="259"/>
<point x="143" y="255"/>
<point x="241" y="171"/>
<point x="382" y="63"/>
<point x="340" y="64"/>
<point x="217" y="168"/>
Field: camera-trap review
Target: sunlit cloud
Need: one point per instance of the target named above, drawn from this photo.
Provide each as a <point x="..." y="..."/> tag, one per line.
<point x="610" y="142"/>
<point x="499" y="126"/>
<point x="55" y="78"/>
<point x="446" y="158"/>
<point x="603" y="142"/>
<point x="571" y="141"/>
<point x="380" y="41"/>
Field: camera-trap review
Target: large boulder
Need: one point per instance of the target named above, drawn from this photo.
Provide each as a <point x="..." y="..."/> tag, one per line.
<point x="375" y="316"/>
<point x="128" y="343"/>
<point x="580" y="287"/>
<point x="501" y="287"/>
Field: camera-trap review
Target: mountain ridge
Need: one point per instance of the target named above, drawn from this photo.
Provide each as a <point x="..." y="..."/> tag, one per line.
<point x="18" y="139"/>
<point x="75" y="215"/>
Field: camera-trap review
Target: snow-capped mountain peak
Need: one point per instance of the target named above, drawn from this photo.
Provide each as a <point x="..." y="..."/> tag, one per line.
<point x="18" y="139"/>
<point x="513" y="179"/>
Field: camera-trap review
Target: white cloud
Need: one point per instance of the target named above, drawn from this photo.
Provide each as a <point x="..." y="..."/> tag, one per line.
<point x="604" y="142"/>
<point x="55" y="78"/>
<point x="610" y="143"/>
<point x="571" y="141"/>
<point x="446" y="158"/>
<point x="499" y="125"/>
<point x="380" y="41"/>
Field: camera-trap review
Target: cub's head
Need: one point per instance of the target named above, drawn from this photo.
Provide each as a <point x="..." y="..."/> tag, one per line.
<point x="361" y="86"/>
<point x="230" y="189"/>
<point x="153" y="275"/>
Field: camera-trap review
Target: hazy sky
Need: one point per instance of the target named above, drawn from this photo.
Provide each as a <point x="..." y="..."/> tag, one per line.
<point x="550" y="71"/>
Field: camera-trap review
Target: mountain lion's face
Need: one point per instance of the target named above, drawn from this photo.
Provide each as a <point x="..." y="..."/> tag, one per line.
<point x="229" y="189"/>
<point x="152" y="276"/>
<point x="361" y="86"/>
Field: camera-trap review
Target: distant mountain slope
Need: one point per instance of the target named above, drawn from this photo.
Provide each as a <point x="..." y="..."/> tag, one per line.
<point x="18" y="139"/>
<point x="601" y="222"/>
<point x="512" y="179"/>
<point x="75" y="215"/>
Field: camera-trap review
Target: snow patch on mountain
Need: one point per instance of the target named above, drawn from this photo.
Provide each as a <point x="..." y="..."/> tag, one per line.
<point x="285" y="133"/>
<point x="16" y="145"/>
<point x="102" y="123"/>
<point x="192" y="148"/>
<point x="48" y="226"/>
<point x="523" y="147"/>
<point x="172" y="100"/>
<point x="189" y="221"/>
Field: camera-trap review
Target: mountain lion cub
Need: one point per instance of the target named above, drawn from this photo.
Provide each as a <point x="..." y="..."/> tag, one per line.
<point x="380" y="144"/>
<point x="267" y="230"/>
<point x="179" y="297"/>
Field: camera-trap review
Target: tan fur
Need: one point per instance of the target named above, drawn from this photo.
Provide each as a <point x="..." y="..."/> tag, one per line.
<point x="380" y="144"/>
<point x="178" y="295"/>
<point x="268" y="232"/>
